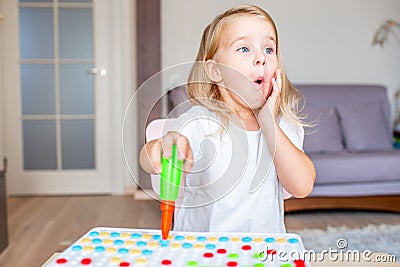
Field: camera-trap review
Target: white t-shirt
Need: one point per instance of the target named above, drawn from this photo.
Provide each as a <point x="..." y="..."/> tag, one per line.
<point x="233" y="185"/>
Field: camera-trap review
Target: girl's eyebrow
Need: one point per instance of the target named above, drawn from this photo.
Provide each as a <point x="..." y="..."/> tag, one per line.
<point x="240" y="38"/>
<point x="271" y="38"/>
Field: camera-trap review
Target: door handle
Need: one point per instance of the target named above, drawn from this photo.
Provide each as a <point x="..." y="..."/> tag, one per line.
<point x="98" y="71"/>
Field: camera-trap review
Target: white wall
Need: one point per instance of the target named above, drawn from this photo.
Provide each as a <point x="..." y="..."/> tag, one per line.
<point x="322" y="41"/>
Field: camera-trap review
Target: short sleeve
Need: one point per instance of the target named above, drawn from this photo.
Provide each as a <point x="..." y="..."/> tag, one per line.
<point x="195" y="125"/>
<point x="186" y="126"/>
<point x="294" y="132"/>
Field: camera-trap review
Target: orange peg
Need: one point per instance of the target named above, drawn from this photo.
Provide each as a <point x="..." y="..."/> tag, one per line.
<point x="167" y="210"/>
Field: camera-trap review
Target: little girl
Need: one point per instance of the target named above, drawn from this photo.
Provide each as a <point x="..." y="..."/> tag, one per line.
<point x="242" y="139"/>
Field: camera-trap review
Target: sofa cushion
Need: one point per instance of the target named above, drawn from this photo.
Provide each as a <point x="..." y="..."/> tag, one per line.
<point x="357" y="167"/>
<point x="365" y="127"/>
<point x="357" y="189"/>
<point x="326" y="137"/>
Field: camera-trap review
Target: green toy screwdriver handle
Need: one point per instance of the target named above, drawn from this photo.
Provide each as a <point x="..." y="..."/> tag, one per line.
<point x="170" y="176"/>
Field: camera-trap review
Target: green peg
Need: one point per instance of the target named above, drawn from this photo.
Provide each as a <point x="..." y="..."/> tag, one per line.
<point x="170" y="176"/>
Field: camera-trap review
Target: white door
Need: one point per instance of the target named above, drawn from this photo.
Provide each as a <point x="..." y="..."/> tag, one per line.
<point x="56" y="93"/>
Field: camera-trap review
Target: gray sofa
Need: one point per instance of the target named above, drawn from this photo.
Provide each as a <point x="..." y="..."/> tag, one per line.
<point x="350" y="146"/>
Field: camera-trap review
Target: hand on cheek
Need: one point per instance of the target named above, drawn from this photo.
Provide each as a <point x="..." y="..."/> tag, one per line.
<point x="271" y="106"/>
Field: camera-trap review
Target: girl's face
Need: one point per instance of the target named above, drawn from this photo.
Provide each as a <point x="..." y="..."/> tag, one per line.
<point x="247" y="61"/>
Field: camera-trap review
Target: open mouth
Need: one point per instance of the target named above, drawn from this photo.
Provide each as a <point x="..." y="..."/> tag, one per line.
<point x="259" y="82"/>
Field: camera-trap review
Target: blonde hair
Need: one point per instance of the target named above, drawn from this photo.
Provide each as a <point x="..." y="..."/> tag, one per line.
<point x="201" y="89"/>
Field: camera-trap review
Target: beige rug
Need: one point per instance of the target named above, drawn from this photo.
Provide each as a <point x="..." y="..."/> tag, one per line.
<point x="375" y="238"/>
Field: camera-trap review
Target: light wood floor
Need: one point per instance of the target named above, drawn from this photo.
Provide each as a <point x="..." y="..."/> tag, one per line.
<point x="40" y="226"/>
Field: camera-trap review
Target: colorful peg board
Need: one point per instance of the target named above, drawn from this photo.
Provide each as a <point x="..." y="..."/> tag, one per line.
<point x="111" y="247"/>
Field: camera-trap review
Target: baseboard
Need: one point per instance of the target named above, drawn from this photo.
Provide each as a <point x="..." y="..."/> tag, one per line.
<point x="131" y="189"/>
<point x="140" y="194"/>
<point x="378" y="203"/>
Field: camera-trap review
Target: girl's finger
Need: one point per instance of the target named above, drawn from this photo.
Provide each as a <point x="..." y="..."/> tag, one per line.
<point x="154" y="156"/>
<point x="275" y="89"/>
<point x="183" y="147"/>
<point x="166" y="144"/>
<point x="184" y="150"/>
<point x="188" y="164"/>
<point x="279" y="79"/>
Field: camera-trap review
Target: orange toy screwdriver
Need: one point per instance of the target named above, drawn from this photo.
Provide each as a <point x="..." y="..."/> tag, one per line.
<point x="169" y="187"/>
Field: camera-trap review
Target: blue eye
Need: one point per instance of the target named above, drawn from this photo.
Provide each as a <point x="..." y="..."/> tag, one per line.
<point x="243" y="49"/>
<point x="268" y="50"/>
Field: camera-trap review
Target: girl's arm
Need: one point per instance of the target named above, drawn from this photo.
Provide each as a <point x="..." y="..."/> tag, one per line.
<point x="295" y="169"/>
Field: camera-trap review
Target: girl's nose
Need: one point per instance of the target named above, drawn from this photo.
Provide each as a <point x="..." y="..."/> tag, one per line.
<point x="260" y="60"/>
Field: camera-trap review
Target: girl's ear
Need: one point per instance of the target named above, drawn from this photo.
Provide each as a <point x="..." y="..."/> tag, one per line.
<point x="212" y="71"/>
